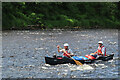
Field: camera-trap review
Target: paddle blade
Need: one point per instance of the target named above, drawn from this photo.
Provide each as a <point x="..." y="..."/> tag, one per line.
<point x="78" y="63"/>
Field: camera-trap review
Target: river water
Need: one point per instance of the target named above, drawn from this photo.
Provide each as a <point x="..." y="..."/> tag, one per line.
<point x="24" y="52"/>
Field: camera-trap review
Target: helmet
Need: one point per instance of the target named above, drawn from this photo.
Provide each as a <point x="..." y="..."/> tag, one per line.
<point x="66" y="44"/>
<point x="100" y="42"/>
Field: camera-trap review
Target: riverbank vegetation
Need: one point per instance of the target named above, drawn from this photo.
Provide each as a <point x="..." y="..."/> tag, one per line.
<point x="67" y="15"/>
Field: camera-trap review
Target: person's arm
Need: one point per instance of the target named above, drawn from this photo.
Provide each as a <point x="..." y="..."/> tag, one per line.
<point x="103" y="51"/>
<point x="96" y="52"/>
<point x="58" y="48"/>
<point x="71" y="53"/>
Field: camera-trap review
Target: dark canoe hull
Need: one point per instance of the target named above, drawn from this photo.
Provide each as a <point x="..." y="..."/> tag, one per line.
<point x="106" y="58"/>
<point x="55" y="61"/>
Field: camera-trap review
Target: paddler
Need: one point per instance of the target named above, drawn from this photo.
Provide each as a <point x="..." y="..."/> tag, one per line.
<point x="101" y="50"/>
<point x="68" y="51"/>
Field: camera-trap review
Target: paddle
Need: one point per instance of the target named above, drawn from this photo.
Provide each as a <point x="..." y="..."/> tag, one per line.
<point x="77" y="62"/>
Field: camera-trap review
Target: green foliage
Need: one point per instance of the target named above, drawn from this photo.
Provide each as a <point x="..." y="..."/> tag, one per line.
<point x="60" y="15"/>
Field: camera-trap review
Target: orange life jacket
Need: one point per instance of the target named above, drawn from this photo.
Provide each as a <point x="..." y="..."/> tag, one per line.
<point x="100" y="50"/>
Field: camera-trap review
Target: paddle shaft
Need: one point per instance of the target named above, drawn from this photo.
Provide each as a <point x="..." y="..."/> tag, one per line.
<point x="65" y="52"/>
<point x="71" y="57"/>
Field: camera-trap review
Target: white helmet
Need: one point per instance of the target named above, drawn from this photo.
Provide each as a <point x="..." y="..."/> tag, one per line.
<point x="66" y="44"/>
<point x="100" y="42"/>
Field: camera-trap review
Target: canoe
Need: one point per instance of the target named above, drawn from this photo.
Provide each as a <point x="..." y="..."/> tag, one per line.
<point x="60" y="60"/>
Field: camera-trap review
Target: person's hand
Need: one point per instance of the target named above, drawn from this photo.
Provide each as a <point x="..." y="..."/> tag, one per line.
<point x="100" y="53"/>
<point x="58" y="46"/>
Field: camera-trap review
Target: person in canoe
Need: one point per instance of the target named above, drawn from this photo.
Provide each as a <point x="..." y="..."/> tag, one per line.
<point x="101" y="50"/>
<point x="67" y="50"/>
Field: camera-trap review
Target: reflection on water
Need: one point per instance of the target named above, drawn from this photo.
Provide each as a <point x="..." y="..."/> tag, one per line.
<point x="24" y="52"/>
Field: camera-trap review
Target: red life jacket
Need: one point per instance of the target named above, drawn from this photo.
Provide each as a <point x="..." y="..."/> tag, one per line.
<point x="100" y="50"/>
<point x="66" y="54"/>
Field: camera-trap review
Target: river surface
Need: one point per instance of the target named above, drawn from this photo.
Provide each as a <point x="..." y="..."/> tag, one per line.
<point x="24" y="52"/>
